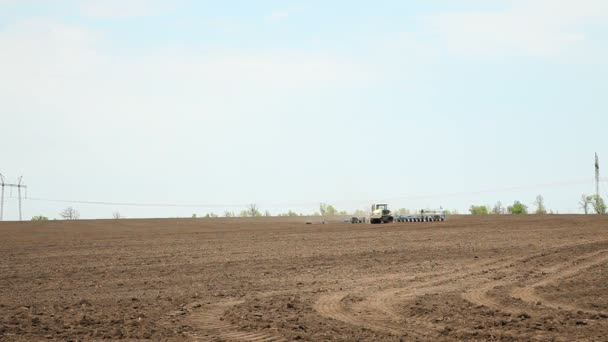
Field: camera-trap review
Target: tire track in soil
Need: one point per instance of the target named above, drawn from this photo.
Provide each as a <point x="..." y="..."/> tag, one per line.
<point x="380" y="314"/>
<point x="479" y="295"/>
<point x="386" y="301"/>
<point x="528" y="294"/>
<point x="207" y="319"/>
<point x="331" y="306"/>
<point x="379" y="307"/>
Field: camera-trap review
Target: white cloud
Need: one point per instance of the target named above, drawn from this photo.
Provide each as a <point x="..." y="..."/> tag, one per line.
<point x="537" y="28"/>
<point x="34" y="53"/>
<point x="277" y="15"/>
<point x="264" y="69"/>
<point x="283" y="14"/>
<point x="57" y="68"/>
<point x="38" y="49"/>
<point x="121" y="8"/>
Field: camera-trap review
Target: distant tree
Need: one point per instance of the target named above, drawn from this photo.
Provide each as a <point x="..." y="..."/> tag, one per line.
<point x="229" y="214"/>
<point x="40" y="218"/>
<point x="331" y="211"/>
<point x="478" y="210"/>
<point x="498" y="209"/>
<point x="253" y="211"/>
<point x="193" y="215"/>
<point x="70" y="213"/>
<point x="267" y="213"/>
<point x="342" y="213"/>
<point x="360" y="213"/>
<point x="585" y="202"/>
<point x="211" y="215"/>
<point x="327" y="210"/>
<point x="290" y="213"/>
<point x="402" y="211"/>
<point x="517" y="208"/>
<point x="598" y="204"/>
<point x="116" y="215"/>
<point x="540" y="205"/>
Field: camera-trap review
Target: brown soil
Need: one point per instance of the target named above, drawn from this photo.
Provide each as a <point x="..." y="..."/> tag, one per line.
<point x="279" y="279"/>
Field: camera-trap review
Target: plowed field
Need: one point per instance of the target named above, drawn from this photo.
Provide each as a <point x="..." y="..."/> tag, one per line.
<point x="278" y="279"/>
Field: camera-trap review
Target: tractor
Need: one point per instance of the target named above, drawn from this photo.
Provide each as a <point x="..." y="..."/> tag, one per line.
<point x="380" y="214"/>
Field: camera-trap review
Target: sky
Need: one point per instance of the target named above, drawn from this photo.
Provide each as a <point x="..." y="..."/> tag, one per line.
<point x="186" y="107"/>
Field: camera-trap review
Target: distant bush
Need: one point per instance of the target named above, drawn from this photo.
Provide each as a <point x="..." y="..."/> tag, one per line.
<point x="598" y="204"/>
<point x="518" y="208"/>
<point x="40" y="218"/>
<point x="289" y="213"/>
<point x="479" y="210"/>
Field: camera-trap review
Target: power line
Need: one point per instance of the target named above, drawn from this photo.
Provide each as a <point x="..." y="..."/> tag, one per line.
<point x="505" y="189"/>
<point x="315" y="203"/>
<point x="133" y="204"/>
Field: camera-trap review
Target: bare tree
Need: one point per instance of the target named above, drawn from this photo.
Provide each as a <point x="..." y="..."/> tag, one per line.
<point x="70" y="214"/>
<point x="498" y="209"/>
<point x="252" y="210"/>
<point x="540" y="205"/>
<point x="323" y="208"/>
<point x="585" y="202"/>
<point x="116" y="215"/>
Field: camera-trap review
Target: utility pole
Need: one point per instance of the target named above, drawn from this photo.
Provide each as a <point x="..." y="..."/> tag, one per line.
<point x="19" y="195"/>
<point x="19" y="186"/>
<point x="2" y="200"/>
<point x="597" y="177"/>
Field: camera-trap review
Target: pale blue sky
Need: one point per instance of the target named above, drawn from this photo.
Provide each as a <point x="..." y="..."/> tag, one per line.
<point x="291" y="103"/>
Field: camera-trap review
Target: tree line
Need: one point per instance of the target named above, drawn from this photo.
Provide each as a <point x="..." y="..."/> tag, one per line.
<point x="588" y="203"/>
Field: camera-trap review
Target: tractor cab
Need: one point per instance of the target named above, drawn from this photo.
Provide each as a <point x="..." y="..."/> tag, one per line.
<point x="379" y="206"/>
